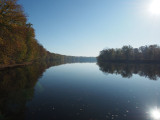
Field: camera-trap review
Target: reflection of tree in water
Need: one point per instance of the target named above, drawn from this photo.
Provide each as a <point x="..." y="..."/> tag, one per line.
<point x="17" y="88"/>
<point x="151" y="71"/>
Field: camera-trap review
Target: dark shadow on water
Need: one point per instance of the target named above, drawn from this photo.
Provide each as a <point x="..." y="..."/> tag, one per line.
<point x="17" y="88"/>
<point x="126" y="70"/>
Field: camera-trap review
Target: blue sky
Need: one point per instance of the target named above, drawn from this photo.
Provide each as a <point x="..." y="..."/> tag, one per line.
<point x="85" y="27"/>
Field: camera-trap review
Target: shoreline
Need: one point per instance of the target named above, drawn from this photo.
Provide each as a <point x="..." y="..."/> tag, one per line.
<point x="2" y="67"/>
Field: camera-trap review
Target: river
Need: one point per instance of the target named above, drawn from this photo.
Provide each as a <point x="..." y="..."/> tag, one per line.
<point x="80" y="91"/>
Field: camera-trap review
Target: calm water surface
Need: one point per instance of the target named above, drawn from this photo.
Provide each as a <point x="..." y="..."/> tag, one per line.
<point x="79" y="91"/>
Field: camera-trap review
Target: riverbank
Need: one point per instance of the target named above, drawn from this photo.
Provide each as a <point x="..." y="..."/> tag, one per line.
<point x="14" y="65"/>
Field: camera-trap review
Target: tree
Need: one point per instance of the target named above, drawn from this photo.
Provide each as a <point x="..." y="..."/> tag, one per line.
<point x="11" y="13"/>
<point x="128" y="53"/>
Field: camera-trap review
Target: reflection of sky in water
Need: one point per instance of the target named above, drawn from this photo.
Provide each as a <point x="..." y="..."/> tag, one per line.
<point x="83" y="92"/>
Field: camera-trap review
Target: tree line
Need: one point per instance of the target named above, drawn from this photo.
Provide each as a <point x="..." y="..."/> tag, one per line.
<point x="68" y="59"/>
<point x="146" y="53"/>
<point x="17" y="38"/>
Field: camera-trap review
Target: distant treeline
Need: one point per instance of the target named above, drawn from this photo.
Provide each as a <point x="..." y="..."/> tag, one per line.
<point x="17" y="38"/>
<point x="147" y="54"/>
<point x="68" y="59"/>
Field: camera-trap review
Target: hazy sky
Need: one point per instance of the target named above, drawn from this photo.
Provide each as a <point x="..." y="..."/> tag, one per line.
<point x="85" y="27"/>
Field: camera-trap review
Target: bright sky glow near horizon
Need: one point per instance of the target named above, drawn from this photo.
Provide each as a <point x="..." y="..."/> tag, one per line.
<point x="85" y="27"/>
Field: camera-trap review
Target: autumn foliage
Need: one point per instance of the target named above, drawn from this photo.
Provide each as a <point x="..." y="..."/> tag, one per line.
<point x="17" y="37"/>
